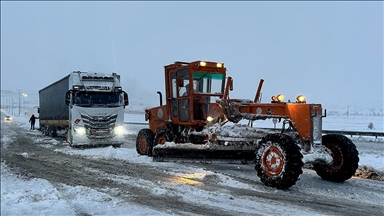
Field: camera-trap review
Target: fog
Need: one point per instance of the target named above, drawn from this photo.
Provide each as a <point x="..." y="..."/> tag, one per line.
<point x="332" y="52"/>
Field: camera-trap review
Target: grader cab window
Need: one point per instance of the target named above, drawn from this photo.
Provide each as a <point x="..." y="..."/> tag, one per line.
<point x="209" y="83"/>
<point x="179" y="80"/>
<point x="183" y="81"/>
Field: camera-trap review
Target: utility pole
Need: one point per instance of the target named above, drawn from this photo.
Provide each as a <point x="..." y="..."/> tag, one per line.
<point x="347" y="111"/>
<point x="24" y="96"/>
<point x="19" y="90"/>
<point x="11" y="103"/>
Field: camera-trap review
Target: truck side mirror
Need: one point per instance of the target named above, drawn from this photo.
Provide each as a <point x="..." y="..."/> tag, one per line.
<point x="230" y="84"/>
<point x="126" y="100"/>
<point x="68" y="97"/>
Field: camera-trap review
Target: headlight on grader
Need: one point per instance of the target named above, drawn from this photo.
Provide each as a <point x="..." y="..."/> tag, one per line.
<point x="301" y="99"/>
<point x="203" y="64"/>
<point x="219" y="65"/>
<point x="278" y="98"/>
<point x="209" y="118"/>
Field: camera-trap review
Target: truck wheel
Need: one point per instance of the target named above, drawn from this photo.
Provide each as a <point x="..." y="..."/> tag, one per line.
<point x="53" y="131"/>
<point x="278" y="161"/>
<point x="144" y="142"/>
<point x="69" y="137"/>
<point x="345" y="158"/>
<point x="46" y="130"/>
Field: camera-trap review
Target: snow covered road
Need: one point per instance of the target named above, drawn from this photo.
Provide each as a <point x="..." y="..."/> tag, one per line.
<point x="42" y="176"/>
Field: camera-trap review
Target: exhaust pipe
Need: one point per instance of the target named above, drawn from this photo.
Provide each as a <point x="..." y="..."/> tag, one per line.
<point x="161" y="98"/>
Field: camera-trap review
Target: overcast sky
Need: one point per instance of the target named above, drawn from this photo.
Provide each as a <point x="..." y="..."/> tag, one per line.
<point x="332" y="52"/>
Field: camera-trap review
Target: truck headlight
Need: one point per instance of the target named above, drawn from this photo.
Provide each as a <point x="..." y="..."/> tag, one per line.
<point x="80" y="130"/>
<point x="119" y="130"/>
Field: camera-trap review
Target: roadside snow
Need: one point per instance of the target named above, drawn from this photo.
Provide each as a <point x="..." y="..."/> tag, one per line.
<point x="372" y="160"/>
<point x="39" y="197"/>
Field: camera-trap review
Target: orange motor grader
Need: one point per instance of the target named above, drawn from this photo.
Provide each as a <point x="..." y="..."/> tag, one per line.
<point x="200" y="121"/>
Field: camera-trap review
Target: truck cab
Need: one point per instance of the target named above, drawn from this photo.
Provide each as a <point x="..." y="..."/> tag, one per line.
<point x="86" y="107"/>
<point x="96" y="102"/>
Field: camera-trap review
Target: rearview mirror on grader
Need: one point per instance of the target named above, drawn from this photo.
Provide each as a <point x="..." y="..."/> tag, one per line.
<point x="200" y="121"/>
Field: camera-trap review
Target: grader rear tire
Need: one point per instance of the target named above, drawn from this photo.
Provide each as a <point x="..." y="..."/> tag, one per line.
<point x="278" y="161"/>
<point x="144" y="142"/>
<point x="345" y="159"/>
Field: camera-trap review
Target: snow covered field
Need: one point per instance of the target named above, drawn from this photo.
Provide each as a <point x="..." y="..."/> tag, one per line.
<point x="343" y="123"/>
<point x="35" y="196"/>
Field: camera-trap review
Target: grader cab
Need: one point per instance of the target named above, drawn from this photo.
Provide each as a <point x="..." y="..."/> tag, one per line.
<point x="200" y="121"/>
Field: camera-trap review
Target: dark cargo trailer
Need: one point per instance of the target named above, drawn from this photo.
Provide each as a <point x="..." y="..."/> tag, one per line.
<point x="52" y="102"/>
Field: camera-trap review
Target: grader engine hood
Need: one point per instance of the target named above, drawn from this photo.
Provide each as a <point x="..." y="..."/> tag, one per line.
<point x="305" y="119"/>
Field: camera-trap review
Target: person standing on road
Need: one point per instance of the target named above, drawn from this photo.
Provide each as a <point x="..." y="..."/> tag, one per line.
<point x="32" y="120"/>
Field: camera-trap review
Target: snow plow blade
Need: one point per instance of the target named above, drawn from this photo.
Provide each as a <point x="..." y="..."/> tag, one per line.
<point x="202" y="152"/>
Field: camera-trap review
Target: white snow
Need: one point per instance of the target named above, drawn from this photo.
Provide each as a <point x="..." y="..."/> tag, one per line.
<point x="39" y="197"/>
<point x="374" y="160"/>
<point x="35" y="196"/>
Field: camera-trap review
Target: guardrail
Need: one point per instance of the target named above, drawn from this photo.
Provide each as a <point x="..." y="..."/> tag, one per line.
<point x="357" y="133"/>
<point x="136" y="123"/>
<point x="351" y="133"/>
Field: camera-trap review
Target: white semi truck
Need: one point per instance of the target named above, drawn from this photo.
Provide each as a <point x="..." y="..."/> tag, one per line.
<point x="86" y="107"/>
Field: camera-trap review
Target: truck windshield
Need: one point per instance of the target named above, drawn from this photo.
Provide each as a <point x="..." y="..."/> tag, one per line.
<point x="98" y="99"/>
<point x="208" y="83"/>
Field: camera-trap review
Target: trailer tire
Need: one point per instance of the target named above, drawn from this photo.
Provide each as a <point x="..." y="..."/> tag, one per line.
<point x="53" y="131"/>
<point x="278" y="161"/>
<point x="46" y="130"/>
<point x="69" y="137"/>
<point x="345" y="159"/>
<point x="144" y="142"/>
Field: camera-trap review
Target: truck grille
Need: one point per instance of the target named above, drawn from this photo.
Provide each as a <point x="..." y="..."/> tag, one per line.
<point x="99" y="127"/>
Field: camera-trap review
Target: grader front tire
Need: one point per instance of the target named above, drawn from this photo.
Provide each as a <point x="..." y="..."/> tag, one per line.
<point x="345" y="159"/>
<point x="278" y="161"/>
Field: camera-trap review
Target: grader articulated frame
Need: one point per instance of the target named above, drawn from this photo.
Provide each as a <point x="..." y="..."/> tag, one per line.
<point x="200" y="121"/>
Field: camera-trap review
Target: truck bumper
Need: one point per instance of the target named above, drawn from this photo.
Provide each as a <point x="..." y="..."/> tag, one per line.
<point x="85" y="141"/>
